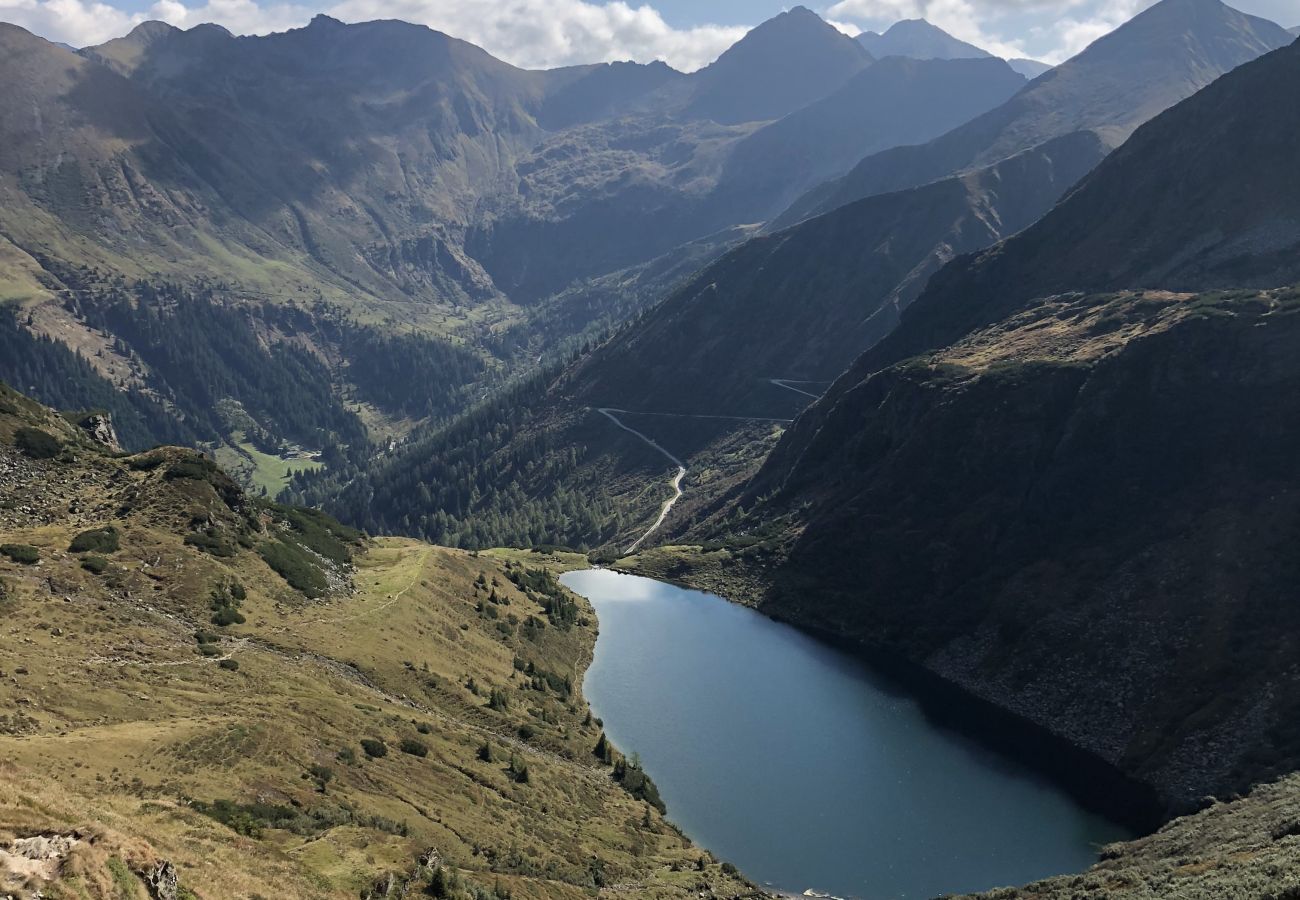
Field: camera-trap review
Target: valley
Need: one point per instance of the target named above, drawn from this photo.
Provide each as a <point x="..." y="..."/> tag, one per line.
<point x="374" y="412"/>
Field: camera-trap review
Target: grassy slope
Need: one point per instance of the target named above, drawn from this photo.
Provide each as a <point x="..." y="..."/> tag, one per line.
<point x="112" y="719"/>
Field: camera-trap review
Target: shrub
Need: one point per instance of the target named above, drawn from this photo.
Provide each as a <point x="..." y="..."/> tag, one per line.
<point x="414" y="748"/>
<point x="296" y="566"/>
<point x="730" y="869"/>
<point x="347" y="756"/>
<point x="211" y="542"/>
<point x="145" y="462"/>
<point x="21" y="553"/>
<point x="228" y="615"/>
<point x="97" y="540"/>
<point x="526" y="732"/>
<point x="206" y="637"/>
<point x="96" y="565"/>
<point x="37" y="444"/>
<point x="229" y="665"/>
<point x="209" y="650"/>
<point x="194" y="468"/>
<point x="374" y="747"/>
<point x="485" y="752"/>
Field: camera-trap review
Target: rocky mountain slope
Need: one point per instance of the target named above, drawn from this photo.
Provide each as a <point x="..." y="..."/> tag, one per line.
<point x="893" y="102"/>
<point x="382" y="196"/>
<point x="209" y="696"/>
<point x="1160" y="57"/>
<point x="755" y="337"/>
<point x="1025" y="484"/>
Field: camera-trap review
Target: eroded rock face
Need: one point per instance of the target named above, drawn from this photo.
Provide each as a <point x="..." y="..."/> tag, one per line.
<point x="33" y="859"/>
<point x="99" y="426"/>
<point x="162" y="881"/>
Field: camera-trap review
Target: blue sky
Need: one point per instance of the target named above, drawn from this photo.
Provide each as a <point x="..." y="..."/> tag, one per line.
<point x="686" y="33"/>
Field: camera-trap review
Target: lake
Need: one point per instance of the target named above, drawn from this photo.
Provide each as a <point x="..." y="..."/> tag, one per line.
<point x="807" y="769"/>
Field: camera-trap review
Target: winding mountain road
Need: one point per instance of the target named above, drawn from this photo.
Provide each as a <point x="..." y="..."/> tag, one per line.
<point x="676" y="482"/>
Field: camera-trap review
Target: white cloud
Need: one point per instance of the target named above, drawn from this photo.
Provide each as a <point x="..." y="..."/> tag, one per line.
<point x="530" y="33"/>
<point x="544" y="33"/>
<point x="76" y="22"/>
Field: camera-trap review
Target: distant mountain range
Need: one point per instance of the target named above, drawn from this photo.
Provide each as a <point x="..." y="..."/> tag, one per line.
<point x="763" y="330"/>
<point x="1164" y="54"/>
<point x="918" y="39"/>
<point x="389" y="172"/>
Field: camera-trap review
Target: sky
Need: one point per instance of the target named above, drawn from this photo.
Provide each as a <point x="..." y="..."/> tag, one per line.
<point x="687" y="34"/>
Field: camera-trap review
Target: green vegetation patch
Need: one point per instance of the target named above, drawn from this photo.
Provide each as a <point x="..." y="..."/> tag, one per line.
<point x="212" y="542"/>
<point x="414" y="748"/>
<point x="296" y="566"/>
<point x="37" y="444"/>
<point x="21" y="553"/>
<point x="96" y="565"/>
<point x="374" y="747"/>
<point x="97" y="540"/>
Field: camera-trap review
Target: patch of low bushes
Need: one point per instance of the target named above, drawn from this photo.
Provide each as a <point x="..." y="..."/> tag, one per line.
<point x="296" y="566"/>
<point x="37" y="444"/>
<point x="414" y="748"/>
<point x="95" y="565"/>
<point x="211" y="542"/>
<point x="97" y="540"/>
<point x="21" y="553"/>
<point x="374" y="748"/>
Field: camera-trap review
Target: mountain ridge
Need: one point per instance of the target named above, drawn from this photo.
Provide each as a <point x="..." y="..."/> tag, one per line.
<point x="1159" y="57"/>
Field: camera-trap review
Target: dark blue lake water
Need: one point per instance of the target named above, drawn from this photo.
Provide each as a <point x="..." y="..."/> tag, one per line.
<point x="806" y="769"/>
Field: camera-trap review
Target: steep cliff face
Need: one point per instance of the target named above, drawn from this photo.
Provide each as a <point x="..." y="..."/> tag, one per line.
<point x="1083" y="514"/>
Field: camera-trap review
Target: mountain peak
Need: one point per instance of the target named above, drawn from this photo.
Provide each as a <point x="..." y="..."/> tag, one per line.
<point x="320" y="20"/>
<point x="150" y="31"/>
<point x="787" y="62"/>
<point x="918" y="39"/>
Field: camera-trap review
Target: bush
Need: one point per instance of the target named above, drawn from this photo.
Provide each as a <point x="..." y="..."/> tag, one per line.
<point x="730" y="869"/>
<point x="209" y="650"/>
<point x="194" y="468"/>
<point x="229" y="665"/>
<point x="374" y="747"/>
<point x="21" y="553"/>
<point x="97" y="540"/>
<point x="228" y="615"/>
<point x="211" y="542"/>
<point x="206" y="637"/>
<point x="37" y="444"/>
<point x="296" y="566"/>
<point x="414" y="748"/>
<point x="145" y="462"/>
<point x="347" y="756"/>
<point x="96" y="565"/>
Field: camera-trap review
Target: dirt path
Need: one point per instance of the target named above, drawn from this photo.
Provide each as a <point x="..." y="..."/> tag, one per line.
<point x="789" y="385"/>
<point x="676" y="482"/>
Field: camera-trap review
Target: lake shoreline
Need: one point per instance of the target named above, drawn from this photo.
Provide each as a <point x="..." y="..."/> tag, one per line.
<point x="1089" y="778"/>
<point x="884" y="728"/>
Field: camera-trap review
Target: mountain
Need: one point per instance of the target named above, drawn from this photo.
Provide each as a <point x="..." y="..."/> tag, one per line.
<point x="783" y="64"/>
<point x="1160" y="57"/>
<point x="1295" y="31"/>
<point x="918" y="39"/>
<point x="273" y="683"/>
<point x="1061" y="482"/>
<point x="1030" y="68"/>
<point x="893" y="102"/>
<point x="696" y="373"/>
<point x="300" y="184"/>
